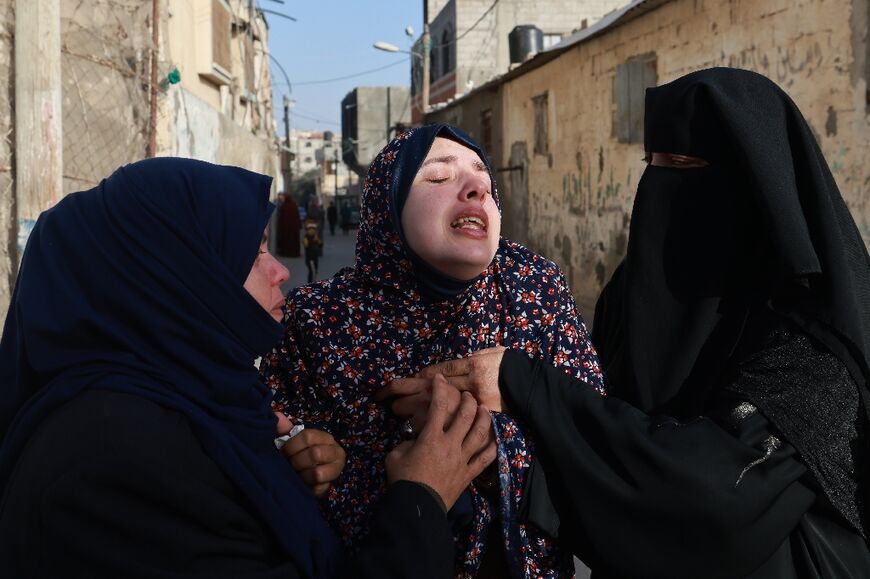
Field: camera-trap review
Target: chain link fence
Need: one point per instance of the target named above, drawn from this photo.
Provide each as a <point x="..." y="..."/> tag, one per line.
<point x="106" y="63"/>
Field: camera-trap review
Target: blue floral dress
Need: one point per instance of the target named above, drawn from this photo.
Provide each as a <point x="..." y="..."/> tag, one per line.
<point x="348" y="336"/>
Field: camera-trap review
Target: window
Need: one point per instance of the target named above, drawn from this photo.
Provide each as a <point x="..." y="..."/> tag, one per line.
<point x="433" y="66"/>
<point x="220" y="23"/>
<point x="629" y="92"/>
<point x="542" y="114"/>
<point x="307" y="144"/>
<point x="486" y="131"/>
<point x="446" y="45"/>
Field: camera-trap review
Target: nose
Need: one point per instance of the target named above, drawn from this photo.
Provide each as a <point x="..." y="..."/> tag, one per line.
<point x="281" y="273"/>
<point x="476" y="188"/>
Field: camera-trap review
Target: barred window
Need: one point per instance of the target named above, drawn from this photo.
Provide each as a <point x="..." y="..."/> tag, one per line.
<point x="629" y="93"/>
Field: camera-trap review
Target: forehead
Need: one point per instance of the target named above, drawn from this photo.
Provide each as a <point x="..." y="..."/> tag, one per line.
<point x="442" y="147"/>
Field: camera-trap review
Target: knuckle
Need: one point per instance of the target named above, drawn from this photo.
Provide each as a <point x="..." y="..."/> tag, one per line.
<point x="317" y="454"/>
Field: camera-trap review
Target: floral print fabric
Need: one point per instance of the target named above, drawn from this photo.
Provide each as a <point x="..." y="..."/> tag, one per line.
<point x="348" y="336"/>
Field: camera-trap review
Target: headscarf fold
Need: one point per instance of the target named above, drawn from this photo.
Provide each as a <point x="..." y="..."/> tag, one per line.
<point x="136" y="286"/>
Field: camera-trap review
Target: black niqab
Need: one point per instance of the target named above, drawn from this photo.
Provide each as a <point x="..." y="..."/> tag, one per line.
<point x="763" y="227"/>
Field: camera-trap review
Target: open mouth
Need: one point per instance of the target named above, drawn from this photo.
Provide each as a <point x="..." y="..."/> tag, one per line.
<point x="469" y="222"/>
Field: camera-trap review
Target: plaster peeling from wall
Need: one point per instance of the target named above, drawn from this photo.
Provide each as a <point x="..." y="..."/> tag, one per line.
<point x="25" y="226"/>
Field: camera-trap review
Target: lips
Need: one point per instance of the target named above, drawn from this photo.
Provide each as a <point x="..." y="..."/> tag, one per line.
<point x="470" y="218"/>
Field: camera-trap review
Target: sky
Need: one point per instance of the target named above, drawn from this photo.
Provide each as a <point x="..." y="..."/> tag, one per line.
<point x="331" y="39"/>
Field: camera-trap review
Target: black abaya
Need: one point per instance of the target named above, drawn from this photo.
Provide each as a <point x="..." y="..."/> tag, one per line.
<point x="645" y="496"/>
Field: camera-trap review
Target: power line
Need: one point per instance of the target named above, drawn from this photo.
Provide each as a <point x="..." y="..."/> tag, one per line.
<point x="473" y="26"/>
<point x="338" y="78"/>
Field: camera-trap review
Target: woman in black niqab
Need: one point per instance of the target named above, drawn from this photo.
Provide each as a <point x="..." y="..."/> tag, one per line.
<point x="734" y="338"/>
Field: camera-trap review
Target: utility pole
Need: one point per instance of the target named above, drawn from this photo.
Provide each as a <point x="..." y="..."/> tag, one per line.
<point x="38" y="116"/>
<point x="286" y="154"/>
<point x="335" y="171"/>
<point x="388" y="115"/>
<point x="426" y="48"/>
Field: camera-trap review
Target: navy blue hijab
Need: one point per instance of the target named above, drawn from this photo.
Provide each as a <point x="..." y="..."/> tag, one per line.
<point x="136" y="286"/>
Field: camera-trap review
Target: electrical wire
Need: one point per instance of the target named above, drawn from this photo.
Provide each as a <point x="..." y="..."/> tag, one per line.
<point x="473" y="26"/>
<point x="345" y="77"/>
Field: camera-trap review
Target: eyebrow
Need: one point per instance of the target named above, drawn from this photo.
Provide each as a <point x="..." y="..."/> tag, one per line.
<point x="478" y="164"/>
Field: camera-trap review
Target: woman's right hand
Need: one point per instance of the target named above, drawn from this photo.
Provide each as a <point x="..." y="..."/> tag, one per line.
<point x="451" y="450"/>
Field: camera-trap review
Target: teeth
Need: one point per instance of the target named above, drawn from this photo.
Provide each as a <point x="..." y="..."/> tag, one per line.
<point x="468" y="222"/>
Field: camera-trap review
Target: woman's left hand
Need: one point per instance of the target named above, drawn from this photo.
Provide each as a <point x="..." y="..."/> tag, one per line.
<point x="317" y="457"/>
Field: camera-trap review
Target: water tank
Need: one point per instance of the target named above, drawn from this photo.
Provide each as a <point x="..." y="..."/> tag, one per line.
<point x="524" y="41"/>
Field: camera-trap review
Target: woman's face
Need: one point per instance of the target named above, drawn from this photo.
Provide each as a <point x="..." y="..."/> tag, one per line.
<point x="450" y="218"/>
<point x="265" y="279"/>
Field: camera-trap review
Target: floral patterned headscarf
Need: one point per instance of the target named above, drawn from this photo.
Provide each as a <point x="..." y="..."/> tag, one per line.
<point x="348" y="336"/>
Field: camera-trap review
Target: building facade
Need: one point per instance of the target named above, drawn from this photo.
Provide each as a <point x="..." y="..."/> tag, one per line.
<point x="370" y="118"/>
<point x="565" y="130"/>
<point x="221" y="111"/>
<point x="469" y="38"/>
<point x="135" y="79"/>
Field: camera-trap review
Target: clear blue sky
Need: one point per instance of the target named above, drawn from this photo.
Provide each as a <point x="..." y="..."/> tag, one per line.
<point x="333" y="38"/>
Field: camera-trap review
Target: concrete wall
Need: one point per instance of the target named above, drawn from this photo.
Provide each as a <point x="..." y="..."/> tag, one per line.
<point x="191" y="127"/>
<point x="8" y="215"/>
<point x="366" y="119"/>
<point x="483" y="51"/>
<point x="578" y="198"/>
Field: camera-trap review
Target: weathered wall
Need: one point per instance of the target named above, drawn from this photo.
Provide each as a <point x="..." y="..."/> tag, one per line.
<point x="580" y="195"/>
<point x="8" y="217"/>
<point x="105" y="70"/>
<point x="191" y="127"/>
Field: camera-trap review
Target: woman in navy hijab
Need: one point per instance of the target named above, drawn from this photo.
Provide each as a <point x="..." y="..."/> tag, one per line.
<point x="137" y="439"/>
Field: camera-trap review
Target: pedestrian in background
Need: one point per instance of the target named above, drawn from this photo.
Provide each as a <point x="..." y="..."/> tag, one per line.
<point x="289" y="226"/>
<point x="313" y="246"/>
<point x="735" y="339"/>
<point x="331" y="217"/>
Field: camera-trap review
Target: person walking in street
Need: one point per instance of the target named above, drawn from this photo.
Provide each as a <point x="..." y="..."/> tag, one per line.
<point x="132" y="346"/>
<point x="735" y="337"/>
<point x="313" y="247"/>
<point x="331" y="217"/>
<point x="432" y="280"/>
<point x="289" y="227"/>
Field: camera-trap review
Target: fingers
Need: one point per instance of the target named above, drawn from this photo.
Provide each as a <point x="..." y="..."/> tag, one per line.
<point x="439" y="408"/>
<point x="482" y="459"/>
<point x="449" y="368"/>
<point x="314" y="456"/>
<point x="284" y="426"/>
<point x="480" y="435"/>
<point x="306" y="438"/>
<point x="464" y="417"/>
<point x="323" y="474"/>
<point x="403" y="387"/>
<point x="408" y="406"/>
